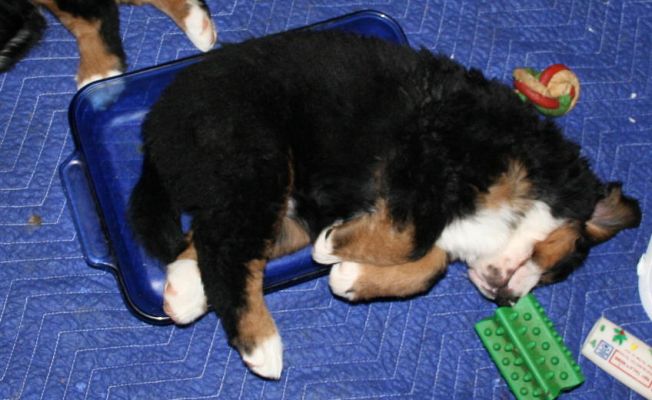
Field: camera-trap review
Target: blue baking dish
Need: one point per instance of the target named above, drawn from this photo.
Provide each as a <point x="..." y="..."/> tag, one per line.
<point x="105" y="118"/>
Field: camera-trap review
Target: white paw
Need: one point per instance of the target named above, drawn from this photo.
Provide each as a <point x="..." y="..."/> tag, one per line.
<point x="487" y="290"/>
<point x="183" y="299"/>
<point x="266" y="359"/>
<point x="199" y="27"/>
<point x="343" y="277"/>
<point x="96" y="77"/>
<point x="322" y="250"/>
<point x="524" y="279"/>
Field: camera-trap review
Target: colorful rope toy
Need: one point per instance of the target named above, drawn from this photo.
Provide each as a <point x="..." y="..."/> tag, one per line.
<point x="554" y="91"/>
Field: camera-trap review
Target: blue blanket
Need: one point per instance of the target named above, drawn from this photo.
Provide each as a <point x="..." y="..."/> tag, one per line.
<point x="65" y="331"/>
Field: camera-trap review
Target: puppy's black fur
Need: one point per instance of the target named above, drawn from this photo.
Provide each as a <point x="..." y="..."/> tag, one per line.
<point x="336" y="122"/>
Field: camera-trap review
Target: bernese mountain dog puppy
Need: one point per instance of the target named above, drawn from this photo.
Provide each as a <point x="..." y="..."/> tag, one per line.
<point x="95" y="25"/>
<point x="393" y="162"/>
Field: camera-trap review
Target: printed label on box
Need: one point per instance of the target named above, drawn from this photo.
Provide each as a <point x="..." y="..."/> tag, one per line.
<point x="632" y="366"/>
<point x="621" y="355"/>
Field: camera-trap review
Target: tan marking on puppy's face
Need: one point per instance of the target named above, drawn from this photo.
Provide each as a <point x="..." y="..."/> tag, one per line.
<point x="512" y="188"/>
<point x="566" y="247"/>
<point x="374" y="238"/>
<point x="557" y="246"/>
<point x="551" y="261"/>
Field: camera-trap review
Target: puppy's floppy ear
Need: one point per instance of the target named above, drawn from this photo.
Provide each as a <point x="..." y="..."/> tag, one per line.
<point x="613" y="213"/>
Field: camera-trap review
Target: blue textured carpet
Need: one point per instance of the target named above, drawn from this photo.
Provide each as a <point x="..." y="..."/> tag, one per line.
<point x="66" y="333"/>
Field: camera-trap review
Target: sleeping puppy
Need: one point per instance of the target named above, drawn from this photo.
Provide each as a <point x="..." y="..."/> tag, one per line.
<point x="392" y="161"/>
<point x="95" y="25"/>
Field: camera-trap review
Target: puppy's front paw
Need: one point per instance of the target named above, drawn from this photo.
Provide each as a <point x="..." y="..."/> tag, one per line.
<point x="265" y="359"/>
<point x="199" y="27"/>
<point x="183" y="299"/>
<point x="322" y="251"/>
<point x="343" y="278"/>
<point x="523" y="281"/>
<point x="485" y="288"/>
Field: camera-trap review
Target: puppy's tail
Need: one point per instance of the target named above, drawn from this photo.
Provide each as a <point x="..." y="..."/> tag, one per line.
<point x="153" y="218"/>
<point x="21" y="26"/>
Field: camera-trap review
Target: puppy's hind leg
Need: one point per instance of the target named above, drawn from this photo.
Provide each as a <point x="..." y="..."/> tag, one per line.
<point x="192" y="16"/>
<point x="233" y="283"/>
<point x="234" y="237"/>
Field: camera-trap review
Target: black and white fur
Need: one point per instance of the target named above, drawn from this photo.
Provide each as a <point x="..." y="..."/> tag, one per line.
<point x="324" y="128"/>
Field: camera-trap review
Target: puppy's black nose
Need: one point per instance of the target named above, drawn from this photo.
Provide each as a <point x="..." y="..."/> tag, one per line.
<point x="505" y="297"/>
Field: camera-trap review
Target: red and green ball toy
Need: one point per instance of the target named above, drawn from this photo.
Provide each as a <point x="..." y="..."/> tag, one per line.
<point x="554" y="91"/>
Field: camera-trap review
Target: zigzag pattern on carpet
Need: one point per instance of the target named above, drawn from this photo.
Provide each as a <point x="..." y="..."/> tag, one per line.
<point x="65" y="331"/>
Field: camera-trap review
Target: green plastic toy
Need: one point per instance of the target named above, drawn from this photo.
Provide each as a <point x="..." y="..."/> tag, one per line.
<point x="529" y="353"/>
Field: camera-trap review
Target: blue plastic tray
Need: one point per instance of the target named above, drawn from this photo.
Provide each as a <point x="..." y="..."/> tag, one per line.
<point x="105" y="118"/>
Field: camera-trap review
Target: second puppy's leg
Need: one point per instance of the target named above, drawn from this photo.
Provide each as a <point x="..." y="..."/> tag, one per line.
<point x="96" y="28"/>
<point x="192" y="16"/>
